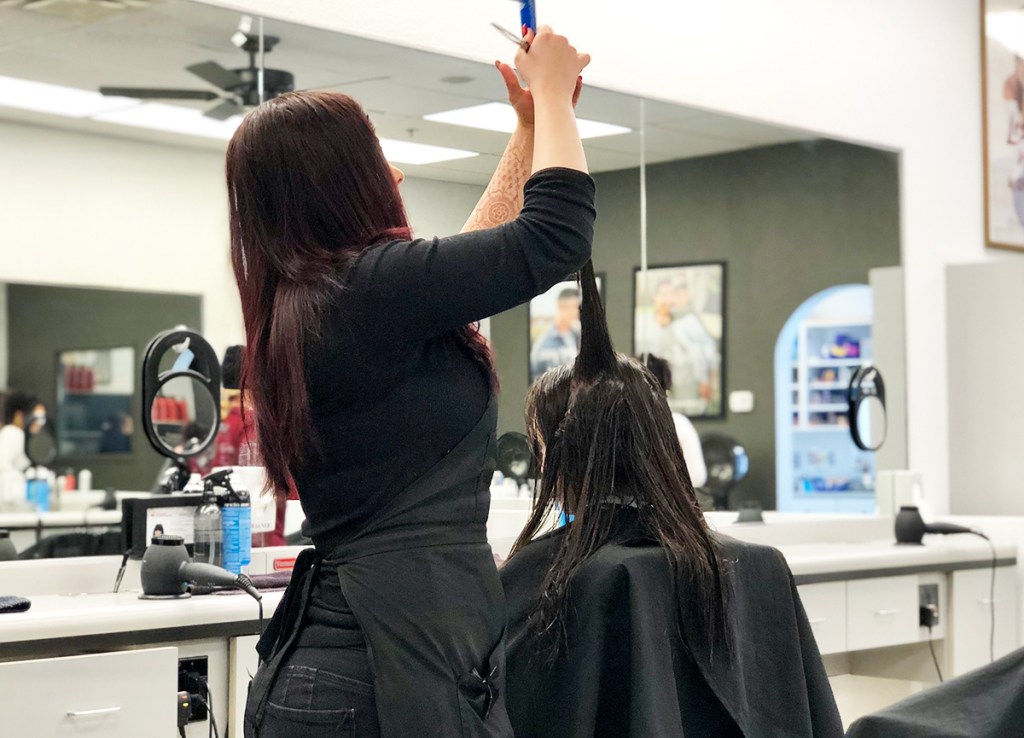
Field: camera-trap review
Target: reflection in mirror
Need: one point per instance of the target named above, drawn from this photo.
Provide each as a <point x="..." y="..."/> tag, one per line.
<point x="866" y="397"/>
<point x="40" y="447"/>
<point x="788" y="213"/>
<point x="184" y="416"/>
<point x="94" y="401"/>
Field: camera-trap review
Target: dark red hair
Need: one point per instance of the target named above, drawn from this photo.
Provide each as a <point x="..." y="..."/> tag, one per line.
<point x="309" y="189"/>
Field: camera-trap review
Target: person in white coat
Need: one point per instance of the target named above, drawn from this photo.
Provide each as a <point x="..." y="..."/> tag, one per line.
<point x="693" y="453"/>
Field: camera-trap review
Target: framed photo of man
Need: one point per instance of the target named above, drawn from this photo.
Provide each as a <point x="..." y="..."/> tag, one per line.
<point x="1002" y="64"/>
<point x="679" y="316"/>
<point x="555" y="326"/>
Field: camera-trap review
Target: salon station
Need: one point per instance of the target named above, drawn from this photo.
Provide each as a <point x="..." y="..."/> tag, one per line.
<point x="797" y="220"/>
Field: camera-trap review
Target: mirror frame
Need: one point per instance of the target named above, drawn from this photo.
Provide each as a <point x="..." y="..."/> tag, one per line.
<point x="206" y="371"/>
<point x="857" y="394"/>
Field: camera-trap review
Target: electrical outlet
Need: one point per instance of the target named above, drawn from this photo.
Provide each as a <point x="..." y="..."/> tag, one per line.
<point x="928" y="596"/>
<point x="190" y="672"/>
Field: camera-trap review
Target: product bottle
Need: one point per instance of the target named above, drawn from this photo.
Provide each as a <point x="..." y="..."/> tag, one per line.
<point x="85" y="481"/>
<point x="236" y="523"/>
<point x="208" y="533"/>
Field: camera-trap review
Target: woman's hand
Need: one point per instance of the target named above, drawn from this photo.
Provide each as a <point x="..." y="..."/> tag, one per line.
<point x="521" y="99"/>
<point x="552" y="65"/>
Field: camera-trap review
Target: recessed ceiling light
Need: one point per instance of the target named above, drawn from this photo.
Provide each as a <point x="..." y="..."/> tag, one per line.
<point x="407" y="152"/>
<point x="174" y="119"/>
<point x="44" y="98"/>
<point x="501" y="117"/>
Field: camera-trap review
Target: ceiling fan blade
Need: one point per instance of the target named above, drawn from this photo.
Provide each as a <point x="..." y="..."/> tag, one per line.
<point x="224" y="110"/>
<point x="158" y="93"/>
<point x="216" y="75"/>
<point x="351" y="82"/>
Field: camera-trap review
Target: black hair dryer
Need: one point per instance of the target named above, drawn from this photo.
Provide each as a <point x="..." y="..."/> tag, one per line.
<point x="910" y="527"/>
<point x="167" y="570"/>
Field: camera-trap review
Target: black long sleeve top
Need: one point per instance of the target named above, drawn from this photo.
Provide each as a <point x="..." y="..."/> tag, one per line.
<point x="390" y="391"/>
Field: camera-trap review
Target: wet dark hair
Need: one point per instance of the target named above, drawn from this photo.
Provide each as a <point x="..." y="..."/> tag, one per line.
<point x="660" y="368"/>
<point x="608" y="443"/>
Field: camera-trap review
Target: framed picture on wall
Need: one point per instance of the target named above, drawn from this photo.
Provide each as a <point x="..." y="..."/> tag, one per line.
<point x="679" y="316"/>
<point x="555" y="326"/>
<point x="1002" y="77"/>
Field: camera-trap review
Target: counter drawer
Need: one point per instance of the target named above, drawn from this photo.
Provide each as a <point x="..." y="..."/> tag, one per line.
<point x="115" y="695"/>
<point x="881" y="612"/>
<point x="825" y="604"/>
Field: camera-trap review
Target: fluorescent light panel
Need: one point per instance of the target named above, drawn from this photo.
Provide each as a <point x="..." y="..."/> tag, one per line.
<point x="74" y="103"/>
<point x="45" y="98"/>
<point x="501" y="117"/>
<point x="407" y="152"/>
<point x="172" y="118"/>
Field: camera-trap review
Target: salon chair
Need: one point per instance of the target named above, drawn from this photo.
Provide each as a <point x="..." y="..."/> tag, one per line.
<point x="984" y="703"/>
<point x="62" y="545"/>
<point x="727" y="464"/>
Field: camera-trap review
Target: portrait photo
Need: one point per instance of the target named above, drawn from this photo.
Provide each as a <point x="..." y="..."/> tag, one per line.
<point x="555" y="327"/>
<point x="1003" y="102"/>
<point x="679" y="316"/>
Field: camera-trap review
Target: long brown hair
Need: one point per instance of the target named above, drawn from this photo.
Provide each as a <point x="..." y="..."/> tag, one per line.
<point x="309" y="189"/>
<point x="608" y="442"/>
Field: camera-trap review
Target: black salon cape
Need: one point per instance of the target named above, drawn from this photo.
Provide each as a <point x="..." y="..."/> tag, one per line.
<point x="983" y="703"/>
<point x="626" y="670"/>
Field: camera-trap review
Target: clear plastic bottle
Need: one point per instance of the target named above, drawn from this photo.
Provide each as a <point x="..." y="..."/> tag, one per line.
<point x="209" y="535"/>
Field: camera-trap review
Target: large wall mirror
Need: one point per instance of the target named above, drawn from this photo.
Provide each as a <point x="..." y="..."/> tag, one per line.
<point x="749" y="226"/>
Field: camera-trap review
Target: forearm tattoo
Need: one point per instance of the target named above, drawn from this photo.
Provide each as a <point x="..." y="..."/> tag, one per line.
<point x="503" y="198"/>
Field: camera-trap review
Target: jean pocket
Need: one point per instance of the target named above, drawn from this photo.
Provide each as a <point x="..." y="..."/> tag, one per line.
<point x="304" y="696"/>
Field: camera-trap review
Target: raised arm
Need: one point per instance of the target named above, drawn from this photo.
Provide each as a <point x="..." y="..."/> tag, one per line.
<point x="503" y="198"/>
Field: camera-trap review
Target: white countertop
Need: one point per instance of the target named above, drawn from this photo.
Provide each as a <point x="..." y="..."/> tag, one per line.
<point x="70" y="616"/>
<point x="937" y="552"/>
<point x="62" y="616"/>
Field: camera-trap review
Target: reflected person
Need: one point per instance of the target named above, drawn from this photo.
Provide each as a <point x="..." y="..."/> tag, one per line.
<point x="560" y="343"/>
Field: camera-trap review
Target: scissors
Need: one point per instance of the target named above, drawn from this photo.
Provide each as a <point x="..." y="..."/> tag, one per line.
<point x="520" y="42"/>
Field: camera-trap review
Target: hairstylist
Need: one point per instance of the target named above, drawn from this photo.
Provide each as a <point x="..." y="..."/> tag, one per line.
<point x="375" y="394"/>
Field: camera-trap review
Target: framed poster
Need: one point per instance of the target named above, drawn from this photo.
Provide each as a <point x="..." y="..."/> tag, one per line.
<point x="679" y="316"/>
<point x="555" y="326"/>
<point x="1002" y="77"/>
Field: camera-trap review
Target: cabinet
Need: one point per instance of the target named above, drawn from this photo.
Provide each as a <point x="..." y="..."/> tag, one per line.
<point x="971" y="609"/>
<point x="881" y="612"/>
<point x="115" y="695"/>
<point x="825" y="605"/>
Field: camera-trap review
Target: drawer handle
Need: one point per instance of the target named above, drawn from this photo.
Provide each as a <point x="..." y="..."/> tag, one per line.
<point x="816" y="621"/>
<point x="93" y="713"/>
<point x="989" y="601"/>
<point x="885" y="613"/>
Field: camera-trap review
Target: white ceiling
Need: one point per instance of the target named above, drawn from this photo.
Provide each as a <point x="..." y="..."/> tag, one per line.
<point x="78" y="45"/>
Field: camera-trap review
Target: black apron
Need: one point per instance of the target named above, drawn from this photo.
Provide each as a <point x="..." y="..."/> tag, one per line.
<point x="421" y="581"/>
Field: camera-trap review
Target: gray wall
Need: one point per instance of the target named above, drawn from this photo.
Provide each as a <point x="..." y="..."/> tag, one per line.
<point x="43" y="321"/>
<point x="789" y="220"/>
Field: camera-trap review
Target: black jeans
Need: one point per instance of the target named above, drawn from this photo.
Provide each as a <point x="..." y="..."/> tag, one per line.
<point x="321" y="692"/>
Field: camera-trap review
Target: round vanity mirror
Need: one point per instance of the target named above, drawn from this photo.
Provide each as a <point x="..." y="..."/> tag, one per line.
<point x="866" y="396"/>
<point x="184" y="415"/>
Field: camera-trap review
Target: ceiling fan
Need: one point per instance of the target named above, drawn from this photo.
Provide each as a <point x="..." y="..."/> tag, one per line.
<point x="236" y="88"/>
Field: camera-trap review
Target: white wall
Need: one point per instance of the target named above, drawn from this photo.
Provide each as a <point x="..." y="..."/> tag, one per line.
<point x="903" y="75"/>
<point x="93" y="211"/>
<point x="87" y="210"/>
